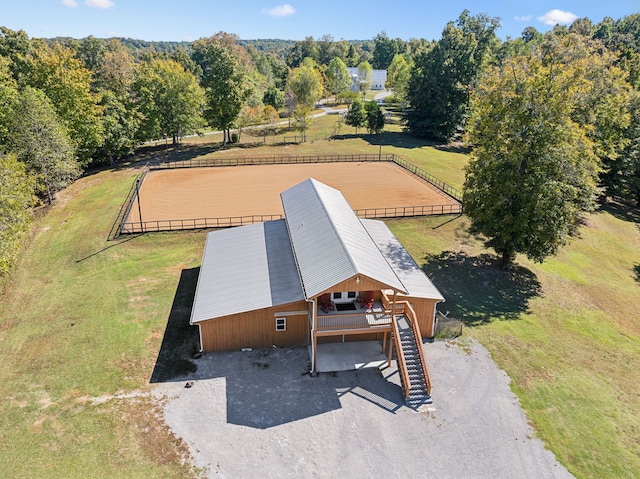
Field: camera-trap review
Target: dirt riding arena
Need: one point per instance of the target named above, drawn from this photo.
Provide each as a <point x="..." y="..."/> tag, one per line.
<point x="245" y="191"/>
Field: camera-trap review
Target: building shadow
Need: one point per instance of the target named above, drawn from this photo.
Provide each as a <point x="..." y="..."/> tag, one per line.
<point x="264" y="387"/>
<point x="180" y="340"/>
<point x="478" y="290"/>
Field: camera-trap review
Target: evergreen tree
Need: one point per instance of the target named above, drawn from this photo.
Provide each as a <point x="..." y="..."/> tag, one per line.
<point x="442" y="79"/>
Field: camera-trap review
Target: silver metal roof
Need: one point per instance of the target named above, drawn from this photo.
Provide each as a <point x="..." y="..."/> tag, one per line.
<point x="329" y="242"/>
<point x="244" y="269"/>
<point x="415" y="280"/>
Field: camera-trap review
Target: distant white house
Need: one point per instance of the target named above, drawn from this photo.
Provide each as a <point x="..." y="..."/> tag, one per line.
<point x="379" y="78"/>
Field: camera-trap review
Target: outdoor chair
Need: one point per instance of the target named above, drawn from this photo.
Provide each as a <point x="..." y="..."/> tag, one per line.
<point x="326" y="304"/>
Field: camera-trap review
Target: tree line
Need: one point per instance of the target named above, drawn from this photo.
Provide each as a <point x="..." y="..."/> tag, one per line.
<point x="67" y="105"/>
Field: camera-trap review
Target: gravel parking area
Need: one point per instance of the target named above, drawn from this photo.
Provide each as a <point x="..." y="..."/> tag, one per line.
<point x="259" y="414"/>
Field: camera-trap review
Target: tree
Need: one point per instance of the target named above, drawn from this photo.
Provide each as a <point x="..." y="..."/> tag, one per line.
<point x="173" y="100"/>
<point x="384" y="51"/>
<point x="224" y="65"/>
<point x="67" y="83"/>
<point x="398" y="75"/>
<point x="16" y="200"/>
<point x="41" y="141"/>
<point x="273" y="97"/>
<point x="305" y="83"/>
<point x="375" y="117"/>
<point x="443" y="77"/>
<point x="533" y="169"/>
<point x="307" y="48"/>
<point x="365" y="77"/>
<point x="338" y="77"/>
<point x="8" y="97"/>
<point x="356" y="116"/>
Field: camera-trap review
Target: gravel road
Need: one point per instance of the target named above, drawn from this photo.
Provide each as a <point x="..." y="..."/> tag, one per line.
<point x="258" y="414"/>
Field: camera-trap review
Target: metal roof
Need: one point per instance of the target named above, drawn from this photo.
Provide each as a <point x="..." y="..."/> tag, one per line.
<point x="244" y="269"/>
<point x="329" y="242"/>
<point x="415" y="280"/>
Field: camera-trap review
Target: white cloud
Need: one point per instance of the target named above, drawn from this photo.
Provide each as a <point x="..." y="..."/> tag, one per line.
<point x="69" y="3"/>
<point x="524" y="18"/>
<point x="554" y="17"/>
<point x="285" y="10"/>
<point x="99" y="3"/>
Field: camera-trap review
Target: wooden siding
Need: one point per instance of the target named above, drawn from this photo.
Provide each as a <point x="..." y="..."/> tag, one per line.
<point x="425" y="310"/>
<point x="365" y="284"/>
<point x="256" y="329"/>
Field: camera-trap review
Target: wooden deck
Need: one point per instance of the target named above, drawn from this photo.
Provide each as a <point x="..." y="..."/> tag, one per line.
<point x="361" y="321"/>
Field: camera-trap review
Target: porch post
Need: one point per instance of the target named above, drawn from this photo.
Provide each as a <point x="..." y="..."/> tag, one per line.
<point x="313" y="336"/>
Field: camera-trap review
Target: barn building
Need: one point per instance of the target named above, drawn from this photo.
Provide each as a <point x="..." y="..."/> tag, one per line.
<point x="320" y="275"/>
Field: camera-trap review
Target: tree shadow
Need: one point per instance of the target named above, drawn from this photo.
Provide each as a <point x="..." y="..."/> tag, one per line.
<point x="478" y="290"/>
<point x="180" y="339"/>
<point x="622" y="211"/>
<point x="386" y="138"/>
<point x="636" y="268"/>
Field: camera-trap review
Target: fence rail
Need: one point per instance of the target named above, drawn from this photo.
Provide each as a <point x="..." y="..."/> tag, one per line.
<point x="231" y="221"/>
<point x="447" y="328"/>
<point x="269" y="160"/>
<point x="429" y="178"/>
<point x="123" y="226"/>
<point x="125" y="209"/>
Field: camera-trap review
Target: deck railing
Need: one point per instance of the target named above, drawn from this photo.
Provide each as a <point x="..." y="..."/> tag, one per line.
<point x="346" y="322"/>
<point x="402" y="363"/>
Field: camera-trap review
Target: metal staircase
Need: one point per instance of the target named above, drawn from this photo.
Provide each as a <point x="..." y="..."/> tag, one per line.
<point x="411" y="364"/>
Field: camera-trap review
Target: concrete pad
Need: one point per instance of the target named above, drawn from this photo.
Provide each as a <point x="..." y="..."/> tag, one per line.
<point x="348" y="356"/>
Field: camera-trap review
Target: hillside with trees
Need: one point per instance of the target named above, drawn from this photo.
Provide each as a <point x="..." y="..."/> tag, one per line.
<point x="69" y="105"/>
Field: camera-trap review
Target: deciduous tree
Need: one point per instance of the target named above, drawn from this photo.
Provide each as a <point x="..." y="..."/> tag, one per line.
<point x="533" y="169"/>
<point x="41" y="141"/>
<point x="375" y="117"/>
<point x="173" y="100"/>
<point x="442" y="79"/>
<point x="224" y="66"/>
<point x="338" y="77"/>
<point x="16" y="200"/>
<point x="356" y="116"/>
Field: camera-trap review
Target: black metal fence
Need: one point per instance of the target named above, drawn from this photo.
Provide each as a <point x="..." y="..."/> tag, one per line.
<point x="124" y="226"/>
<point x="125" y="210"/>
<point x="269" y="160"/>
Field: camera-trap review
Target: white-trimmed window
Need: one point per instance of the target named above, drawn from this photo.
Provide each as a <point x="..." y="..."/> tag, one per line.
<point x="281" y="324"/>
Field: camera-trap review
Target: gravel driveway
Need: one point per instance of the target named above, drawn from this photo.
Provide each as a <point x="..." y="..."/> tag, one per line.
<point x="258" y="414"/>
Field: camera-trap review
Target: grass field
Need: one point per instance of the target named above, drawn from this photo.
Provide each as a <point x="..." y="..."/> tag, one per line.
<point x="82" y="320"/>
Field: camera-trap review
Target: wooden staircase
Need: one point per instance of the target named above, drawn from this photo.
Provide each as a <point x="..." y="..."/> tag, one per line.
<point x="411" y="360"/>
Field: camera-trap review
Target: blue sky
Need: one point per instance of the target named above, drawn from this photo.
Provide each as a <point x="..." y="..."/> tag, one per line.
<point x="288" y="19"/>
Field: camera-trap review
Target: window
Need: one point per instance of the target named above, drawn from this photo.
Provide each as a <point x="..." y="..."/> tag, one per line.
<point x="281" y="324"/>
<point x="351" y="295"/>
<point x="337" y="295"/>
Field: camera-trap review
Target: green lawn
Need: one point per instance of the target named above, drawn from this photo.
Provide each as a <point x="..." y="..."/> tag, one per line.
<point x="82" y="320"/>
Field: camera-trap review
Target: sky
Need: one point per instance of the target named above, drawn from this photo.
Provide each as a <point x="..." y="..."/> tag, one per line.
<point x="188" y="20"/>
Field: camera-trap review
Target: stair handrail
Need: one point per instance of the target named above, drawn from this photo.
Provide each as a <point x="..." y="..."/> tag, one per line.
<point x="410" y="314"/>
<point x="402" y="364"/>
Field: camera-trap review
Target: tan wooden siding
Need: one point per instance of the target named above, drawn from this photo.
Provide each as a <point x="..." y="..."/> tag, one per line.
<point x="256" y="329"/>
<point x="365" y="284"/>
<point x="425" y="310"/>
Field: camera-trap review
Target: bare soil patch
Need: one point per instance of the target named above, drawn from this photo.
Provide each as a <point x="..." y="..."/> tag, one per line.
<point x="255" y="190"/>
